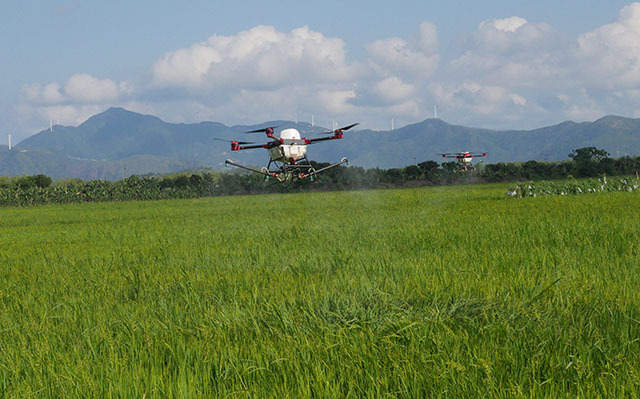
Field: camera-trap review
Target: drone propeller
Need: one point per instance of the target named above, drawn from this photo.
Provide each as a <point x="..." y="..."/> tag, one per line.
<point x="342" y="129"/>
<point x="468" y="154"/>
<point x="265" y="130"/>
<point x="233" y="141"/>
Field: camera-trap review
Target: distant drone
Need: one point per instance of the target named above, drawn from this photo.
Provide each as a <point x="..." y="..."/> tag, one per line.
<point x="464" y="159"/>
<point x="287" y="154"/>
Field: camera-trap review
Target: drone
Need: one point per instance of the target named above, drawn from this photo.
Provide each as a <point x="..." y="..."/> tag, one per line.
<point x="464" y="159"/>
<point x="287" y="154"/>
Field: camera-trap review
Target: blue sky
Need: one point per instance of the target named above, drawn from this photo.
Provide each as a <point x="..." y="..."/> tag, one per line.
<point x="495" y="63"/>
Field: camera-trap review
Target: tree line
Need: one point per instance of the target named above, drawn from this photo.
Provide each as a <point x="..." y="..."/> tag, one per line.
<point x="41" y="189"/>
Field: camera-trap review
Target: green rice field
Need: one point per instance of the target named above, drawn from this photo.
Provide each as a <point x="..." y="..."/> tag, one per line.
<point x="444" y="292"/>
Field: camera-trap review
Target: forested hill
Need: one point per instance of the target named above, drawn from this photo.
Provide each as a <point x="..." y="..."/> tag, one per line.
<point x="118" y="141"/>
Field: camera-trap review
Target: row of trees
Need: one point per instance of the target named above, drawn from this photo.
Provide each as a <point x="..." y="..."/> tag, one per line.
<point x="40" y="189"/>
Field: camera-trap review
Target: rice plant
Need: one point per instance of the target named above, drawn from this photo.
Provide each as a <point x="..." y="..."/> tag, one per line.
<point x="430" y="292"/>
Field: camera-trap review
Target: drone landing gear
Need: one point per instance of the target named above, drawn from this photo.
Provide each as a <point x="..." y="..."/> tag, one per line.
<point x="300" y="170"/>
<point x="344" y="160"/>
<point x="306" y="170"/>
<point x="263" y="171"/>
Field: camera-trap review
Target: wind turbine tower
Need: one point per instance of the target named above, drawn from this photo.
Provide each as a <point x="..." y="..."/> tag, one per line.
<point x="435" y="111"/>
<point x="9" y="142"/>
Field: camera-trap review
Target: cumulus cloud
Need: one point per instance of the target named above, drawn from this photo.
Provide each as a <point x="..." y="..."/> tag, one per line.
<point x="259" y="58"/>
<point x="393" y="90"/>
<point x="398" y="73"/>
<point x="414" y="59"/>
<point x="38" y="94"/>
<point x="503" y="25"/>
<point x="513" y="52"/>
<point x="79" y="89"/>
<point x="80" y="97"/>
<point x="36" y="117"/>
<point x="508" y="72"/>
<point x="300" y="71"/>
<point x="595" y="73"/>
<point x="611" y="53"/>
<point x="84" y="88"/>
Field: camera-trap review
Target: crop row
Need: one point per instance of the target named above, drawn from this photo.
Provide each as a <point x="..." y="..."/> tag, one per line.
<point x="424" y="292"/>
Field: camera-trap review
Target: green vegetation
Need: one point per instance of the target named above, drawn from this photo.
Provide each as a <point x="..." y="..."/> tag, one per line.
<point x="452" y="291"/>
<point x="39" y="189"/>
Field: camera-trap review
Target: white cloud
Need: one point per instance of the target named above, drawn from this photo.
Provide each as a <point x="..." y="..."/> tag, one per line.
<point x="509" y="72"/>
<point x="79" y="89"/>
<point x="415" y="59"/>
<point x="336" y="102"/>
<point x="427" y="39"/>
<point x="38" y="94"/>
<point x="581" y="106"/>
<point x="512" y="52"/>
<point x="518" y="99"/>
<point x="262" y="70"/>
<point x="505" y="25"/>
<point x="81" y="96"/>
<point x="84" y="88"/>
<point x="393" y="90"/>
<point x="36" y="117"/>
<point x="398" y="73"/>
<point x="611" y="53"/>
<point x="259" y="58"/>
<point x="473" y="100"/>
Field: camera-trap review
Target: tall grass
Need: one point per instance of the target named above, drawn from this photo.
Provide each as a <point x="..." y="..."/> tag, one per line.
<point x="429" y="292"/>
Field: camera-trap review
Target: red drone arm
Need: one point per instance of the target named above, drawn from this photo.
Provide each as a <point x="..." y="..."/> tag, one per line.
<point x="236" y="145"/>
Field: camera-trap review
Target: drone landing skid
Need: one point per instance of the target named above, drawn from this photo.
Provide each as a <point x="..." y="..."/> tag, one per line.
<point x="343" y="160"/>
<point x="300" y="170"/>
<point x="262" y="172"/>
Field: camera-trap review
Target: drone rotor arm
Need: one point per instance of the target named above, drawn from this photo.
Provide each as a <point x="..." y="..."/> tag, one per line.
<point x="234" y="141"/>
<point x="473" y="155"/>
<point x="311" y="141"/>
<point x="249" y="147"/>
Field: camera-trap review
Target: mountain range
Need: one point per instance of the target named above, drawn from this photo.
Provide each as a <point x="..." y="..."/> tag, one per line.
<point x="117" y="143"/>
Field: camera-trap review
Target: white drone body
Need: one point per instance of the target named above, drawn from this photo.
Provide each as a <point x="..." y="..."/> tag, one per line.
<point x="292" y="147"/>
<point x="464" y="159"/>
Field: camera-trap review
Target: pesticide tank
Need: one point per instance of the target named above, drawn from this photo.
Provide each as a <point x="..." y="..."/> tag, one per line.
<point x="290" y="134"/>
<point x="292" y="146"/>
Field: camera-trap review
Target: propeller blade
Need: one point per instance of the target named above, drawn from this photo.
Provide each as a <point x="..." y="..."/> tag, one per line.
<point x="233" y="141"/>
<point x="348" y="127"/>
<point x="342" y="129"/>
<point x="266" y="129"/>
